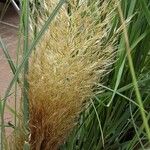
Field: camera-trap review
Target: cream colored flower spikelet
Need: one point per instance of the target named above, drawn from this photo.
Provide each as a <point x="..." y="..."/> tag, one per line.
<point x="70" y="58"/>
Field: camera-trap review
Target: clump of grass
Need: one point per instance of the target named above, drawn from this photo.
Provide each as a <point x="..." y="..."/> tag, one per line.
<point x="17" y="138"/>
<point x="112" y="119"/>
<point x="63" y="71"/>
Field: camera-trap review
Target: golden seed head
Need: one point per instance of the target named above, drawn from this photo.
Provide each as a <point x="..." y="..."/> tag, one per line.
<point x="71" y="57"/>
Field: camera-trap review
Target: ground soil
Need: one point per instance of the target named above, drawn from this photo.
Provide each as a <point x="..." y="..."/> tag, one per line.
<point x="9" y="34"/>
<point x="9" y="37"/>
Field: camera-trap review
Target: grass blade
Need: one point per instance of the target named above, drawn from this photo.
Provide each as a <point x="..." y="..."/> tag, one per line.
<point x="138" y="95"/>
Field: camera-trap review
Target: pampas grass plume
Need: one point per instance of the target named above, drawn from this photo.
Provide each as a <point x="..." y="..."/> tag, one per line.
<point x="69" y="60"/>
